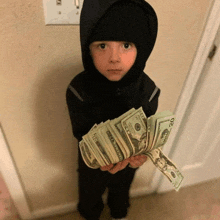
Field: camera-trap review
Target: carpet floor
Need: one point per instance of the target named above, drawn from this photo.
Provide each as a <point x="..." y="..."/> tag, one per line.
<point x="197" y="202"/>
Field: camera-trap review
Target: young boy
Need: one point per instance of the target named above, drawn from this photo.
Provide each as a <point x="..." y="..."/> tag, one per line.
<point x="117" y="37"/>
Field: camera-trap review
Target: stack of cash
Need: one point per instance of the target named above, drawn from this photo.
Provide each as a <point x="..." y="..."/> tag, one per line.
<point x="128" y="135"/>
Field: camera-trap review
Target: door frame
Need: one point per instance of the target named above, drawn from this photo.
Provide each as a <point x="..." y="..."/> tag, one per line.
<point x="195" y="71"/>
<point x="11" y="174"/>
<point x="11" y="178"/>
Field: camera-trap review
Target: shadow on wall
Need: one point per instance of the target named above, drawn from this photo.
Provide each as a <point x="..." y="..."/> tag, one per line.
<point x="57" y="148"/>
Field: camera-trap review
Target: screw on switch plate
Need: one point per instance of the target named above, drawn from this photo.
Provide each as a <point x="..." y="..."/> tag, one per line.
<point x="77" y="4"/>
<point x="212" y="52"/>
<point x="59" y="2"/>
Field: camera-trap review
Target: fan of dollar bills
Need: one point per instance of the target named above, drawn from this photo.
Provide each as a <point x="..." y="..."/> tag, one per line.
<point x="131" y="134"/>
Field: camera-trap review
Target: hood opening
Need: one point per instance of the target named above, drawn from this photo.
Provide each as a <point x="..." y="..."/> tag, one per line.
<point x="123" y="20"/>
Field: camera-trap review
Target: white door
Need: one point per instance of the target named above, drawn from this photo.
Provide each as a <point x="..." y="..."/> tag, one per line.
<point x="199" y="145"/>
<point x="196" y="149"/>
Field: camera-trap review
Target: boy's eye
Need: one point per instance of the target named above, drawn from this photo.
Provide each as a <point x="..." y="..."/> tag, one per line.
<point x="102" y="46"/>
<point x="127" y="45"/>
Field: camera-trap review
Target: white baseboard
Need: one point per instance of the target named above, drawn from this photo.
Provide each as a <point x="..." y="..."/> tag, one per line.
<point x="141" y="192"/>
<point x="55" y="210"/>
<point x="71" y="207"/>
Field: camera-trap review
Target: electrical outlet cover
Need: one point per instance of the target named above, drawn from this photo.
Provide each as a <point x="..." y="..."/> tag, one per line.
<point x="62" y="11"/>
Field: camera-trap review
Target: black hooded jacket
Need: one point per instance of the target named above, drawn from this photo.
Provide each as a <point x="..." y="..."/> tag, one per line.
<point x="91" y="98"/>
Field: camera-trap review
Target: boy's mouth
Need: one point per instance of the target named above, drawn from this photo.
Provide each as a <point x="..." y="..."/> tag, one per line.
<point x="115" y="70"/>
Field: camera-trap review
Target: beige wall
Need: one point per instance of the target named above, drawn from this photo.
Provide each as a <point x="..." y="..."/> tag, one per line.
<point x="37" y="63"/>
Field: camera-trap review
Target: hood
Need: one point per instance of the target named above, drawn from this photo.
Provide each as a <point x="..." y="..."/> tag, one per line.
<point x="94" y="10"/>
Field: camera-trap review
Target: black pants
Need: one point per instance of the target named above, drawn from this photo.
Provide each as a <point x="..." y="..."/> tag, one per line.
<point x="92" y="184"/>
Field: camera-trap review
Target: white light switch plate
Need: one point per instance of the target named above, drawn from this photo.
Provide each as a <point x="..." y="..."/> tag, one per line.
<point x="62" y="11"/>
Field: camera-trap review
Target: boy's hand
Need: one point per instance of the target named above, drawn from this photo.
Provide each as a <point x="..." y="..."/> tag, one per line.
<point x="114" y="168"/>
<point x="137" y="161"/>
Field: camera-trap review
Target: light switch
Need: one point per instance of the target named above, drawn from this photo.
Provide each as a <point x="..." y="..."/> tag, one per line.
<point x="62" y="11"/>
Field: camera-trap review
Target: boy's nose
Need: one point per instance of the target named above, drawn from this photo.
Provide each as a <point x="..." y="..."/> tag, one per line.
<point x="114" y="56"/>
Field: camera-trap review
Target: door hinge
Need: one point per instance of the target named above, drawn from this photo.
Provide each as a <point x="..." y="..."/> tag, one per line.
<point x="212" y="52"/>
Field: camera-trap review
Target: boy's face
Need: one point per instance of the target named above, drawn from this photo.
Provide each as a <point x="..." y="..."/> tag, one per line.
<point x="113" y="59"/>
